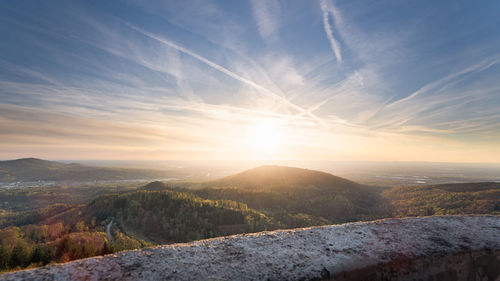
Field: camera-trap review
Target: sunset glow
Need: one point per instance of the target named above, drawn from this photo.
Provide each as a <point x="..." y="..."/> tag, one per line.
<point x="129" y="124"/>
<point x="265" y="136"/>
<point x="174" y="81"/>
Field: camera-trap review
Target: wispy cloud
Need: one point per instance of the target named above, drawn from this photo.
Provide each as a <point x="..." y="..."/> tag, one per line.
<point x="226" y="71"/>
<point x="327" y="9"/>
<point x="438" y="100"/>
<point x="193" y="75"/>
<point x="481" y="66"/>
<point x="266" y="13"/>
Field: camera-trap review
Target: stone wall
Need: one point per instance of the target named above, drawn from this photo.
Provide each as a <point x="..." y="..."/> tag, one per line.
<point x="476" y="265"/>
<point x="425" y="248"/>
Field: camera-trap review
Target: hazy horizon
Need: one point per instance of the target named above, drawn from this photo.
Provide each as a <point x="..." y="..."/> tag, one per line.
<point x="373" y="173"/>
<point x="260" y="162"/>
<point x="250" y="80"/>
<point x="130" y="124"/>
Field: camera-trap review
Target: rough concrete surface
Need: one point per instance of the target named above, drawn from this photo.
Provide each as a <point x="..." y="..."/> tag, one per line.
<point x="424" y="248"/>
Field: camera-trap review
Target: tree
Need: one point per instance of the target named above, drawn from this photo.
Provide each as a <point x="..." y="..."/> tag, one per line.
<point x="20" y="255"/>
<point x="80" y="226"/>
<point x="4" y="257"/>
<point x="42" y="254"/>
<point x="106" y="248"/>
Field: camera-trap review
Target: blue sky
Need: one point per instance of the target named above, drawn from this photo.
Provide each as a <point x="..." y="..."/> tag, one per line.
<point x="340" y="80"/>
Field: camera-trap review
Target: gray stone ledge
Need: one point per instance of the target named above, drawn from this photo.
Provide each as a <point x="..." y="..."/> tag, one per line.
<point x="314" y="253"/>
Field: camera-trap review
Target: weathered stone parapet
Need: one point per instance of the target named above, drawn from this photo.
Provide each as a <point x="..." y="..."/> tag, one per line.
<point x="475" y="265"/>
<point x="426" y="248"/>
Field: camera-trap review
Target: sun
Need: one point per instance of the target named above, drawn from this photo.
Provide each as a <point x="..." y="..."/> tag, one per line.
<point x="265" y="136"/>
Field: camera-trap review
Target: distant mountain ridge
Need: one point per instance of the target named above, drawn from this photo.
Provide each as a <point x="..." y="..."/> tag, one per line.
<point x="34" y="169"/>
<point x="31" y="162"/>
<point x="468" y="187"/>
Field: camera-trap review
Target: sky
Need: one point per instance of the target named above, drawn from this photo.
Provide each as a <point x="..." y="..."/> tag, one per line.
<point x="342" y="80"/>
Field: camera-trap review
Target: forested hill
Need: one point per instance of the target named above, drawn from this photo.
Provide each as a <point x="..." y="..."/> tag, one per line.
<point x="281" y="178"/>
<point x="33" y="169"/>
<point x="58" y="223"/>
<point x="169" y="216"/>
<point x="291" y="193"/>
<point x="445" y="199"/>
<point x="115" y="222"/>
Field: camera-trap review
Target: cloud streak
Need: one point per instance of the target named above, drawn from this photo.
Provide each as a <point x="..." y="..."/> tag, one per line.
<point x="438" y="100"/>
<point x="334" y="44"/>
<point x="266" y="13"/>
<point x="481" y="66"/>
<point x="226" y="71"/>
<point x="196" y="79"/>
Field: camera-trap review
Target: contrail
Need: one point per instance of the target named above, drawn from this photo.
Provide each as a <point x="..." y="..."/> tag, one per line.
<point x="225" y="71"/>
<point x="329" y="32"/>
<point x="483" y="65"/>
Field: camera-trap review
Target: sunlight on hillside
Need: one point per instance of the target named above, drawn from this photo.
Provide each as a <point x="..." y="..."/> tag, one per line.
<point x="129" y="124"/>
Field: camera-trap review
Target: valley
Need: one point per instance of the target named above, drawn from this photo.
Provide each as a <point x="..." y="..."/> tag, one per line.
<point x="33" y="172"/>
<point x="58" y="223"/>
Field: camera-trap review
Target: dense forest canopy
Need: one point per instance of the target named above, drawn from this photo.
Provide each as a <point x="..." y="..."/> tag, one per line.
<point x="55" y="224"/>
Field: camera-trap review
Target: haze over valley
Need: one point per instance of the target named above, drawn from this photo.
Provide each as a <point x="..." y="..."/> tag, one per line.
<point x="30" y="172"/>
<point x="249" y="140"/>
<point x="62" y="221"/>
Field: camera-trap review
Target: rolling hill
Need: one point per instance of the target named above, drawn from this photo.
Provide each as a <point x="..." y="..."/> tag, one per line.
<point x="445" y="199"/>
<point x="311" y="195"/>
<point x="42" y="225"/>
<point x="33" y="169"/>
<point x="267" y="197"/>
<point x="283" y="179"/>
<point x="170" y="216"/>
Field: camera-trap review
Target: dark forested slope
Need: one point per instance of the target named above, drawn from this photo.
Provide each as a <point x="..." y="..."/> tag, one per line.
<point x="445" y="199"/>
<point x="55" y="224"/>
<point x="170" y="216"/>
<point x="287" y="190"/>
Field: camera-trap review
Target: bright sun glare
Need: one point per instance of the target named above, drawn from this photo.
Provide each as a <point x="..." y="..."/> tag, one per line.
<point x="265" y="136"/>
